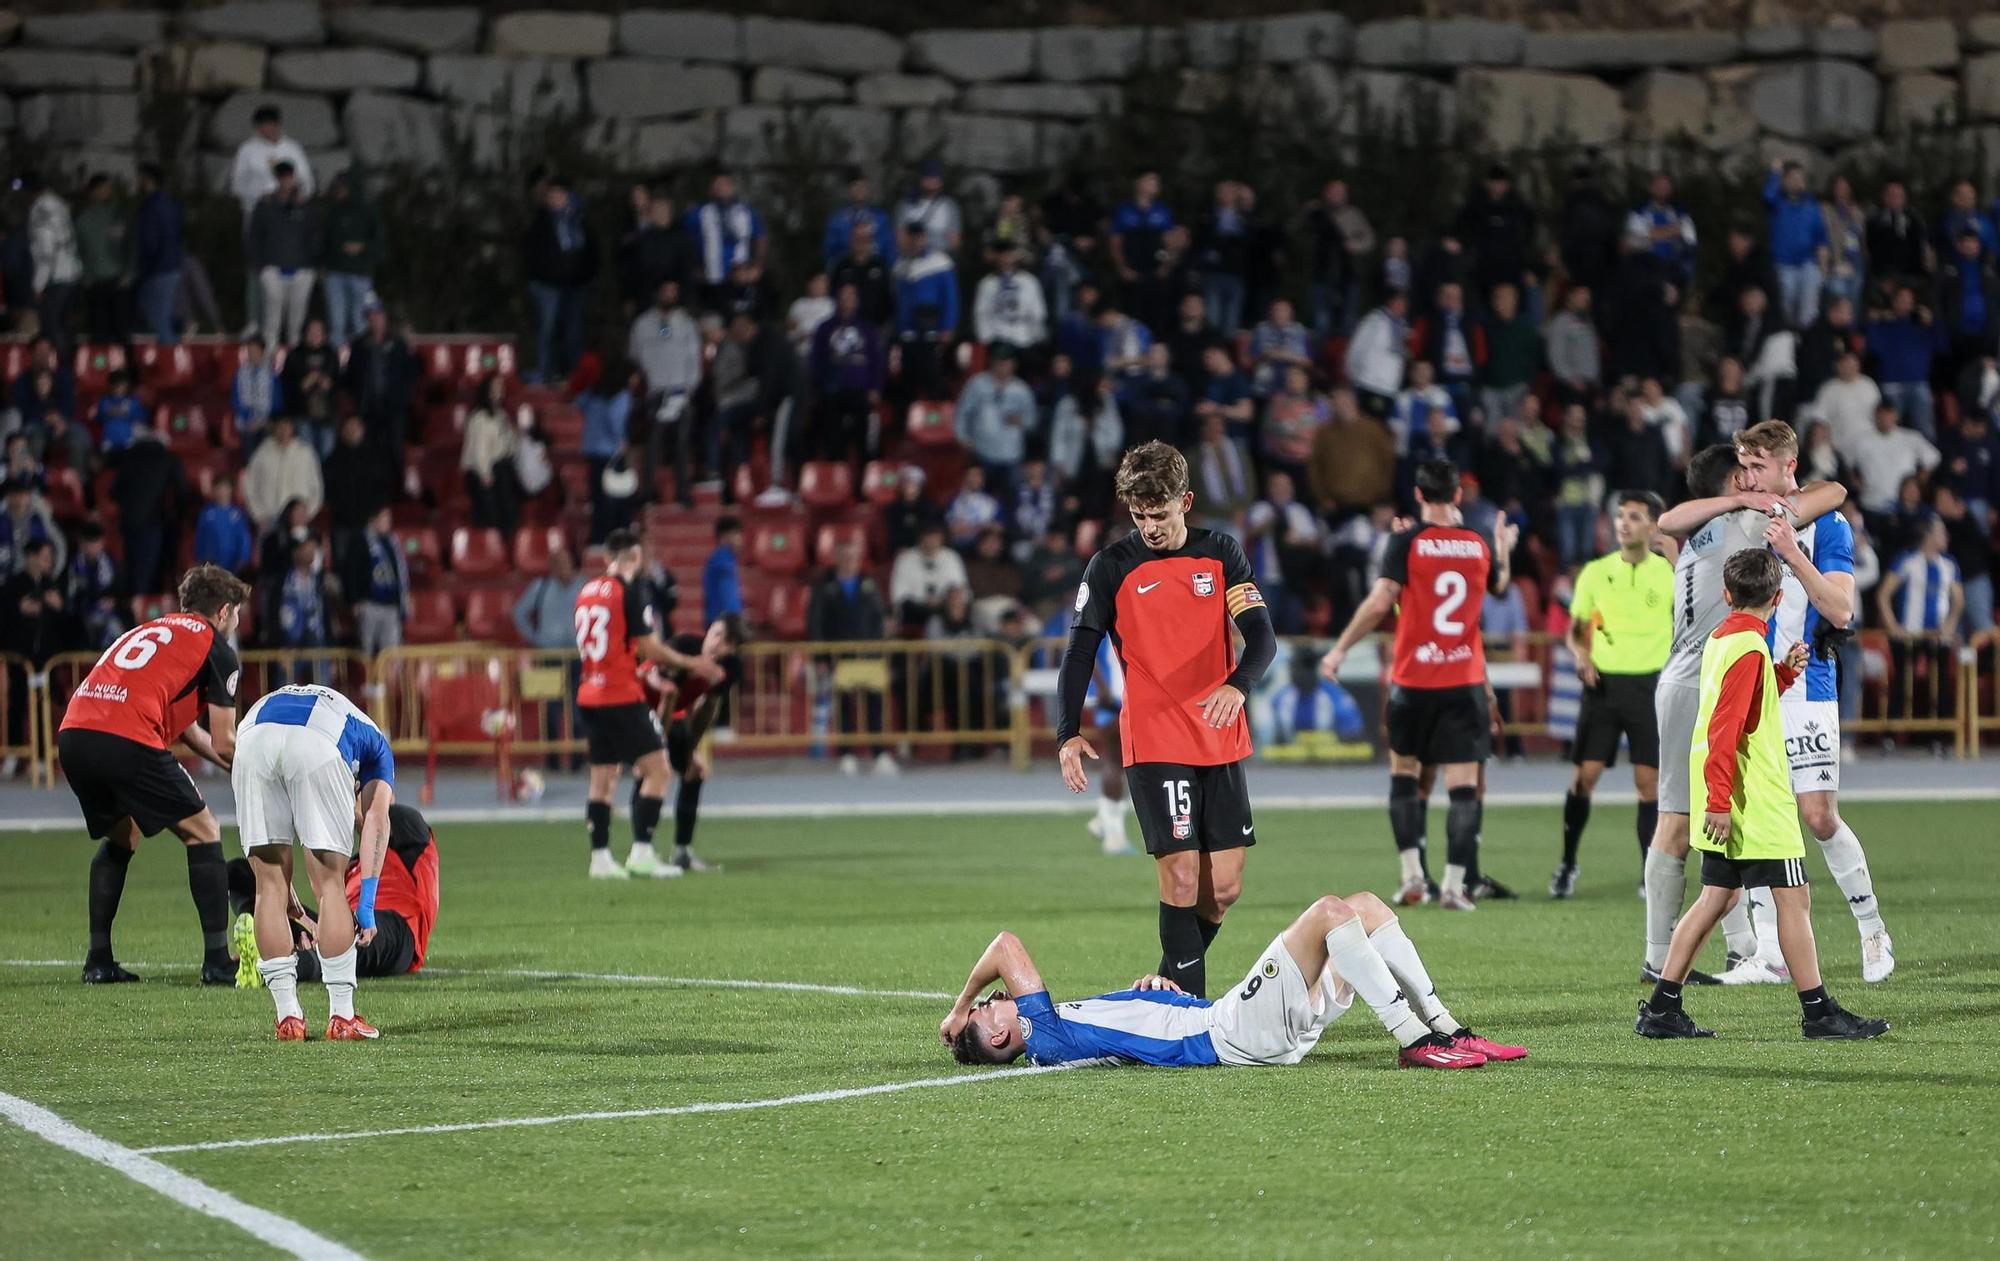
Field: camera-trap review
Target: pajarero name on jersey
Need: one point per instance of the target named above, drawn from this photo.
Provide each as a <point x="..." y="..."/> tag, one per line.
<point x="1443" y="572"/>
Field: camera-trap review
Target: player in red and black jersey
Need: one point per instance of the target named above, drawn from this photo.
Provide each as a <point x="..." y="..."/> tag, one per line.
<point x="1167" y="595"/>
<point x="1436" y="574"/>
<point x="617" y="630"/>
<point x="150" y="689"/>
<point x="688" y="704"/>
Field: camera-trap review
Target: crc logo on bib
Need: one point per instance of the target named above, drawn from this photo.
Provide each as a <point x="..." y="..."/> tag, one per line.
<point x="1204" y="583"/>
<point x="1183" y="826"/>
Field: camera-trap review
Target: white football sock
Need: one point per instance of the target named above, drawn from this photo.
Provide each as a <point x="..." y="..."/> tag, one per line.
<point x="1400" y="953"/>
<point x="338" y="973"/>
<point x="1737" y="929"/>
<point x="1111" y="819"/>
<point x="1764" y="923"/>
<point x="281" y="977"/>
<point x="1454" y="879"/>
<point x="1850" y="871"/>
<point x="1358" y="964"/>
<point x="1413" y="863"/>
<point x="1666" y="890"/>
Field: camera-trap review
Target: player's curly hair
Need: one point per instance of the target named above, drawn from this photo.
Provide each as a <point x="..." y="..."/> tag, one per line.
<point x="209" y="589"/>
<point x="1151" y="474"/>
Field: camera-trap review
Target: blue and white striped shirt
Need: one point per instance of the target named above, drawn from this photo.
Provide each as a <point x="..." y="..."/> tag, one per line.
<point x="1829" y="544"/>
<point x="1924" y="600"/>
<point x="1127" y="1027"/>
<point x="322" y="710"/>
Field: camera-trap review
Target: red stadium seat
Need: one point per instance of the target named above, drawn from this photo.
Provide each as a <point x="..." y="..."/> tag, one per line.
<point x="184" y="428"/>
<point x="478" y="553"/>
<point x="930" y="424"/>
<point x="489" y="615"/>
<point x="15" y="358"/>
<point x="532" y="546"/>
<point x="1086" y="538"/>
<point x="432" y="618"/>
<point x="422" y="552"/>
<point x="881" y="481"/>
<point x="833" y="535"/>
<point x="779" y="548"/>
<point x="785" y="614"/>
<point x="826" y="483"/>
<point x="94" y="366"/>
<point x="167" y="368"/>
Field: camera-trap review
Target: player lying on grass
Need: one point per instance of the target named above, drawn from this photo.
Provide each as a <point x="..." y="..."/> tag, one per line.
<point x="1347" y="946"/>
<point x="406" y="906"/>
<point x="1750" y="832"/>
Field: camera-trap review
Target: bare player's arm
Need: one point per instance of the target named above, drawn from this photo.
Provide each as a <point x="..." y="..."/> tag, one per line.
<point x="651" y="647"/>
<point x="1505" y="536"/>
<point x="1831" y="594"/>
<point x="1006" y="961"/>
<point x="373" y="807"/>
<point x="1684" y="519"/>
<point x="1381" y="599"/>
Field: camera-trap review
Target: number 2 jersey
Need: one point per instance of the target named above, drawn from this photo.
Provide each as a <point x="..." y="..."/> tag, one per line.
<point x="610" y="614"/>
<point x="1168" y="615"/>
<point x="151" y="684"/>
<point x="1443" y="570"/>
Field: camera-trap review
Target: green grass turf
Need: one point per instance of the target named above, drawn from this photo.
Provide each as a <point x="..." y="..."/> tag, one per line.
<point x="1599" y="1144"/>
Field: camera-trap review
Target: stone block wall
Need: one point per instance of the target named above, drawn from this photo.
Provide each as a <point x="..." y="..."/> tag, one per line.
<point x="667" y="90"/>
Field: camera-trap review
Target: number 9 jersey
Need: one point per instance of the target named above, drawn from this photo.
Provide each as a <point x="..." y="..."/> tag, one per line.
<point x="1443" y="571"/>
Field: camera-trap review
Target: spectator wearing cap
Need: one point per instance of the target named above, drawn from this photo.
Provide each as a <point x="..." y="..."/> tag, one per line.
<point x="859" y="208"/>
<point x="254" y="176"/>
<point x="1137" y="229"/>
<point x="1588" y="231"/>
<point x="1968" y="301"/>
<point x="926" y="308"/>
<point x="560" y="255"/>
<point x="921" y="575"/>
<point x="57" y="266"/>
<point x="1798" y="241"/>
<point x="282" y="254"/>
<point x="1378" y="353"/>
<point x="995" y="418"/>
<point x="1498" y="227"/>
<point x="933" y="207"/>
<point x="351" y="251"/>
<point x="910" y="512"/>
<point x="1007" y="307"/>
<point x="728" y="232"/>
<point x="156" y="237"/>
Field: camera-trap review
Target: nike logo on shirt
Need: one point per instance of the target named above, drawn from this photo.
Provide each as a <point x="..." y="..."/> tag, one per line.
<point x="1246" y="831"/>
<point x="1148" y="587"/>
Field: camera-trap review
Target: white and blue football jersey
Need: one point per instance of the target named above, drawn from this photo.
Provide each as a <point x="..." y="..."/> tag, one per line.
<point x="1829" y="544"/>
<point x="322" y="710"/>
<point x="1156" y="1027"/>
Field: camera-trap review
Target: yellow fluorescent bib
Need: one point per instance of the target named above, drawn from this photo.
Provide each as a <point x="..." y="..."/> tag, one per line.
<point x="1763" y="815"/>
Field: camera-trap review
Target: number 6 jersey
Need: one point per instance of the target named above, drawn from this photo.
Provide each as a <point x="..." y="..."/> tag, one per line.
<point x="150" y="685"/>
<point x="1443" y="571"/>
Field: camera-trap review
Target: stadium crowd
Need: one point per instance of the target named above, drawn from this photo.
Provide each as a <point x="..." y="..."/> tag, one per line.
<point x="939" y="407"/>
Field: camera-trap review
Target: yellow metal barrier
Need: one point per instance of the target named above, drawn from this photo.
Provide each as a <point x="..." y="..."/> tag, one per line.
<point x="24" y="717"/>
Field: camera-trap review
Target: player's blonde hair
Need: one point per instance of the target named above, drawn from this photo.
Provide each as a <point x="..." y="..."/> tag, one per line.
<point x="1152" y="473"/>
<point x="1773" y="437"/>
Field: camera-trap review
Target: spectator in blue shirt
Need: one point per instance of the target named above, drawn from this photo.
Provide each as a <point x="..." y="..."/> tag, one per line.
<point x="995" y="417"/>
<point x="222" y="532"/>
<point x="926" y="310"/>
<point x="1961" y="213"/>
<point x="1226" y="395"/>
<point x="728" y="231"/>
<point x="119" y="413"/>
<point x="1137" y="227"/>
<point x="157" y="254"/>
<point x="1077" y="336"/>
<point x="721" y="582"/>
<point x="255" y="395"/>
<point x="1903" y="347"/>
<point x="1968" y="300"/>
<point x="857" y="209"/>
<point x="1798" y="241"/>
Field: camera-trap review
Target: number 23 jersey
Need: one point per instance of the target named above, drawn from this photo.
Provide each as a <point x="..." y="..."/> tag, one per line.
<point x="610" y="614"/>
<point x="1443" y="571"/>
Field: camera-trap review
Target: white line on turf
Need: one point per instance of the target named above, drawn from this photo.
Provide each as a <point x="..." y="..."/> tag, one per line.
<point x="686" y="1109"/>
<point x="540" y="974"/>
<point x="280" y="1232"/>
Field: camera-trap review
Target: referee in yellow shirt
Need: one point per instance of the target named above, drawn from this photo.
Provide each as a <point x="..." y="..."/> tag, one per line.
<point x="1620" y="631"/>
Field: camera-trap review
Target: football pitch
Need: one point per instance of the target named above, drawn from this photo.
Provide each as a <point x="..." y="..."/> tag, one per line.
<point x="552" y="1000"/>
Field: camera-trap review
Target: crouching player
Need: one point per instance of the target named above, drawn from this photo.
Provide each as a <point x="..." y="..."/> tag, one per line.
<point x="406" y="907"/>
<point x="687" y="703"/>
<point x="1304" y="981"/>
<point x="1750" y="831"/>
<point x="308" y="763"/>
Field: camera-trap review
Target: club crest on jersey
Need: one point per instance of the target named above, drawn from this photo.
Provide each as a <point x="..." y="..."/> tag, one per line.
<point x="1183" y="826"/>
<point x="1204" y="583"/>
<point x="1082" y="595"/>
<point x="1027" y="1027"/>
<point x="1270" y="969"/>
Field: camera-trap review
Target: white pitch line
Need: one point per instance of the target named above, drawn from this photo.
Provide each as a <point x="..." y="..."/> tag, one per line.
<point x="686" y="1109"/>
<point x="540" y="974"/>
<point x="280" y="1232"/>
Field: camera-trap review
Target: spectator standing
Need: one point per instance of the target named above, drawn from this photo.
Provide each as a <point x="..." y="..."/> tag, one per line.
<point x="1798" y="242"/>
<point x="971" y="511"/>
<point x="1575" y="358"/>
<point x="662" y="250"/>
<point x="847" y="367"/>
<point x="1904" y="344"/>
<point x="1972" y="464"/>
<point x="995" y="418"/>
<point x="57" y="268"/>
<point x="1221" y="475"/>
<point x="486" y="458"/>
<point x="1137" y="228"/>
<point x="1221" y="256"/>
<point x="1513" y="352"/>
<point x="1007" y="307"/>
<point x="1848" y="403"/>
<point x="351" y="251"/>
<point x="105" y="251"/>
<point x="157" y="255"/>
<point x="282" y="252"/>
<point x="1453" y="344"/>
<point x="1971" y="548"/>
<point x="302" y="605"/>
<point x="1640" y="456"/>
<point x="376" y="581"/>
<point x="254" y="176"/>
<point x="1342" y="241"/>
<point x="1577" y="472"/>
<point x="282" y="471"/>
<point x="607" y="412"/>
<point x="359" y="483"/>
<point x="934" y="208"/>
<point x="119" y="415"/>
<point x="808" y="311"/>
<point x="870" y="273"/>
<point x="1353" y="463"/>
<point x="1285" y="540"/>
<point x="1279" y="344"/>
<point x="1590" y="228"/>
<point x="1897" y="242"/>
<point x="1157" y="406"/>
<point x="1377" y="354"/>
<point x="1086" y="437"/>
<point x="1640" y="328"/>
<point x="151" y="491"/>
<point x="35" y="623"/>
<point x="1070" y="221"/>
<point x="1920" y="601"/>
<point x="1497" y="225"/>
<point x="1745" y="263"/>
<point x="926" y="309"/>
<point x="1962" y="213"/>
<point x="728" y="232"/>
<point x="545" y="612"/>
<point x="846" y="606"/>
<point x="1668" y="228"/>
<point x="666" y="346"/>
<point x="859" y="208"/>
<point x="560" y="255"/>
<point x="256" y="394"/>
<point x="1968" y="300"/>
<point x="381" y="379"/>
<point x="306" y="387"/>
<point x="721" y="576"/>
<point x="222" y="533"/>
<point x="97" y="591"/>
<point x="1846" y="241"/>
<point x="1885" y="456"/>
<point x="25" y="520"/>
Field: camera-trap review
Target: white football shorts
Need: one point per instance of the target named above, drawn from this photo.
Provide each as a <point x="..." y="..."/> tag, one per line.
<point x="1812" y="744"/>
<point x="292" y="784"/>
<point x="1272" y="1016"/>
